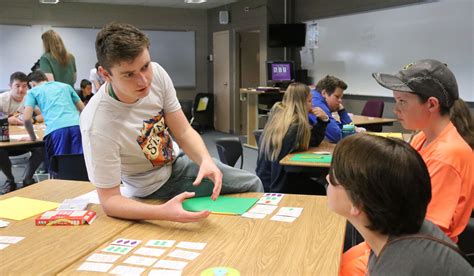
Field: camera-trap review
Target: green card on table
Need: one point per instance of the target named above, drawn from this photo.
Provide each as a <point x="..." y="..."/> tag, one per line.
<point x="222" y="205"/>
<point x="311" y="158"/>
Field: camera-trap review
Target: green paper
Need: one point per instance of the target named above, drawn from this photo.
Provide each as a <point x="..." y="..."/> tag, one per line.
<point x="222" y="205"/>
<point x="311" y="158"/>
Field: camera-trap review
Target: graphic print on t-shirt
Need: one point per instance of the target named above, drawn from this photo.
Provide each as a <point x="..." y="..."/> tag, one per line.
<point x="155" y="141"/>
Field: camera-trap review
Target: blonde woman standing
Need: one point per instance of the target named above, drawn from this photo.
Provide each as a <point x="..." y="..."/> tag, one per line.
<point x="56" y="62"/>
<point x="288" y="130"/>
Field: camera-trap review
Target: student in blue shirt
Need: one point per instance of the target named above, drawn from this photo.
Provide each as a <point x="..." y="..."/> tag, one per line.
<point x="328" y="97"/>
<point x="60" y="106"/>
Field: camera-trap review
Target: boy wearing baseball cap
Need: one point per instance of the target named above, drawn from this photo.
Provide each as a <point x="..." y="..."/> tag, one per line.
<point x="425" y="91"/>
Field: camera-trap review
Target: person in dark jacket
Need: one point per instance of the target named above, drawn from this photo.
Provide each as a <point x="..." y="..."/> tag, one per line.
<point x="288" y="130"/>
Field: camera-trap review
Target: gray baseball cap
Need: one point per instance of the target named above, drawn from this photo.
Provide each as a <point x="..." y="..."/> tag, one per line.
<point x="426" y="77"/>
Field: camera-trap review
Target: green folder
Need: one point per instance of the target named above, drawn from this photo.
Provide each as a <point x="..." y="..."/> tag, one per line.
<point x="222" y="205"/>
<point x="312" y="158"/>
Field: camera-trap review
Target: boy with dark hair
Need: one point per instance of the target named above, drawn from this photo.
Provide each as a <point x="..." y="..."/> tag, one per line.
<point x="126" y="136"/>
<point x="60" y="106"/>
<point x="12" y="104"/>
<point x="388" y="207"/>
<point x="328" y="97"/>
<point x="86" y="91"/>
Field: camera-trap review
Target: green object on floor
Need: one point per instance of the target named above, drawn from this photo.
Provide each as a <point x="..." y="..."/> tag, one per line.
<point x="223" y="204"/>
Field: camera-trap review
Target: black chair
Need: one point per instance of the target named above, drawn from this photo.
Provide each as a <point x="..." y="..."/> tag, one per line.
<point x="203" y="112"/>
<point x="373" y="108"/>
<point x="69" y="167"/>
<point x="257" y="133"/>
<point x="230" y="150"/>
<point x="187" y="107"/>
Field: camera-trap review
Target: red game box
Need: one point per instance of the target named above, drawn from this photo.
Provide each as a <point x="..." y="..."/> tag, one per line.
<point x="65" y="217"/>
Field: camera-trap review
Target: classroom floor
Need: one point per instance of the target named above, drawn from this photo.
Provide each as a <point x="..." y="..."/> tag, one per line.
<point x="209" y="137"/>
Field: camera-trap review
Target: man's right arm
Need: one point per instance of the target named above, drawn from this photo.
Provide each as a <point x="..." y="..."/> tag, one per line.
<point x="116" y="205"/>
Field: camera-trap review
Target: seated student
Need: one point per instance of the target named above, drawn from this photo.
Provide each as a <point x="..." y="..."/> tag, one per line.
<point x="60" y="106"/>
<point x="126" y="131"/>
<point x="12" y="104"/>
<point x="424" y="92"/>
<point x="288" y="130"/>
<point x="96" y="78"/>
<point x="328" y="97"/>
<point x="388" y="206"/>
<point x="86" y="91"/>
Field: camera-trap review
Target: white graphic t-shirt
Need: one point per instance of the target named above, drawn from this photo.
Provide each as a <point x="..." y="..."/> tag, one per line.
<point x="130" y="142"/>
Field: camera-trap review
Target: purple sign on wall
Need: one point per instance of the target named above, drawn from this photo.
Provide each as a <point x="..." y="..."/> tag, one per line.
<point x="281" y="72"/>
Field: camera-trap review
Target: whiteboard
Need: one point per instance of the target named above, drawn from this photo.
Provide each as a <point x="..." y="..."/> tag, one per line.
<point x="355" y="46"/>
<point x="21" y="47"/>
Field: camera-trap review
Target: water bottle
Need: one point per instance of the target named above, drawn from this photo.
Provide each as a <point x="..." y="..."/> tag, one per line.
<point x="4" y="133"/>
<point x="348" y="130"/>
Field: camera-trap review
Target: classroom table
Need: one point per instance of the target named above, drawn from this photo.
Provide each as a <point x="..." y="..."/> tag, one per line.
<point x="361" y="120"/>
<point x="17" y="131"/>
<point x="49" y="249"/>
<point x="324" y="146"/>
<point x="311" y="245"/>
<point x="252" y="114"/>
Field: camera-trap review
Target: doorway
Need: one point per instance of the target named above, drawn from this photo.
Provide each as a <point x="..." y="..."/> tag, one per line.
<point x="220" y="43"/>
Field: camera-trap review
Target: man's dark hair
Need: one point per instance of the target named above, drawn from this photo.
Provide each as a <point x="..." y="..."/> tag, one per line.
<point x="330" y="83"/>
<point x="85" y="83"/>
<point x="37" y="76"/>
<point x="19" y="76"/>
<point x="118" y="42"/>
<point x="386" y="178"/>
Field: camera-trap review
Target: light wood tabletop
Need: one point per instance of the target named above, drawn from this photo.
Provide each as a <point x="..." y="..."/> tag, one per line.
<point x="324" y="146"/>
<point x="311" y="245"/>
<point x="47" y="250"/>
<point x="16" y="132"/>
<point x="360" y="120"/>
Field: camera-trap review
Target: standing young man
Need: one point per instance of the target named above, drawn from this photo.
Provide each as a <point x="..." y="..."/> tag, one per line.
<point x="12" y="104"/>
<point x="328" y="97"/>
<point x="126" y="137"/>
<point x="60" y="106"/>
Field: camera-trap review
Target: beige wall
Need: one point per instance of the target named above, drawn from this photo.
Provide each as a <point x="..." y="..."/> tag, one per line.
<point x="30" y="12"/>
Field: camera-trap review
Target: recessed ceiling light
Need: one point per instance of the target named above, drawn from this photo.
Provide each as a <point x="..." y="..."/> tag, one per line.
<point x="49" y="1"/>
<point x="194" y="1"/>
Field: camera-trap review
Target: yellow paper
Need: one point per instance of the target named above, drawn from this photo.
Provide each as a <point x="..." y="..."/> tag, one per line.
<point x="202" y="105"/>
<point x="388" y="134"/>
<point x="19" y="208"/>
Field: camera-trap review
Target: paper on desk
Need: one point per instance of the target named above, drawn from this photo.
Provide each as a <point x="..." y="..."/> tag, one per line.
<point x="183" y="254"/>
<point x="4" y="223"/>
<point x="263" y="209"/>
<point x="98" y="267"/>
<point x="161" y="243"/>
<point x="139" y="260"/>
<point x="127" y="270"/>
<point x="290" y="212"/>
<point x="154" y="252"/>
<point x="192" y="245"/>
<point x="282" y="218"/>
<point x="253" y="215"/>
<point x="103" y="258"/>
<point x="3" y="245"/>
<point x="178" y="265"/>
<point x="92" y="196"/>
<point x="19" y="208"/>
<point x="10" y="239"/>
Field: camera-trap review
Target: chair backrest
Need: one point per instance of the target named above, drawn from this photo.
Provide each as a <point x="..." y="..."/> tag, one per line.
<point x="257" y="133"/>
<point x="69" y="167"/>
<point x="230" y="150"/>
<point x="187" y="107"/>
<point x="373" y="108"/>
<point x="203" y="111"/>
